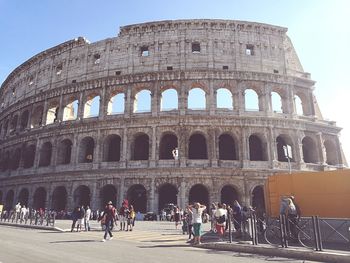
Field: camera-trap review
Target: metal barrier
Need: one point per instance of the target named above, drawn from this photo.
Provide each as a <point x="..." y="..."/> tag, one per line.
<point x="33" y="218"/>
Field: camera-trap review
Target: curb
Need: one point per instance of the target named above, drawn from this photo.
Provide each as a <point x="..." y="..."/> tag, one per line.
<point x="33" y="226"/>
<point x="281" y="252"/>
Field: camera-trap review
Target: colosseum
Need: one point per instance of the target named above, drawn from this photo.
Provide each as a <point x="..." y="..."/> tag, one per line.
<point x="82" y="123"/>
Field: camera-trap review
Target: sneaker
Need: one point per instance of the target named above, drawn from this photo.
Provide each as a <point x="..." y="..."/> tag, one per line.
<point x="103" y="240"/>
<point x="110" y="238"/>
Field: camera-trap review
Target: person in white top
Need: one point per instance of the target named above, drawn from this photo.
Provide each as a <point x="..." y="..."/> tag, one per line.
<point x="197" y="211"/>
<point x="18" y="211"/>
<point x="87" y="218"/>
<point x="220" y="218"/>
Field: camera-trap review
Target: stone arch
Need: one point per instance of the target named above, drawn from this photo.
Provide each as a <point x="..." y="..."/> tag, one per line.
<point x="169" y="100"/>
<point x="258" y="200"/>
<point x="92" y="106"/>
<point x="23" y="197"/>
<point x="196" y="99"/>
<point x="224" y="99"/>
<point x="199" y="193"/>
<point x="277" y="102"/>
<point x="197" y="147"/>
<point x="82" y="196"/>
<point x="64" y="151"/>
<point x="309" y="150"/>
<point x="6" y="126"/>
<point x="37" y="117"/>
<point x="167" y="144"/>
<point x="282" y="141"/>
<point x="251" y="100"/>
<point x="29" y="156"/>
<point x="13" y="124"/>
<point x="140" y="147"/>
<point x="15" y="159"/>
<point x="70" y="110"/>
<point x="5" y="161"/>
<point x="59" y="198"/>
<point x="116" y="104"/>
<point x="108" y="193"/>
<point x="257" y="149"/>
<point x="137" y="196"/>
<point x="86" y="150"/>
<point x="229" y="194"/>
<point x="52" y="112"/>
<point x="167" y="195"/>
<point x="227" y="147"/>
<point x="331" y="152"/>
<point x="45" y="154"/>
<point x="24" y="120"/>
<point x="112" y="148"/>
<point x="9" y="199"/>
<point x="143" y="101"/>
<point x="39" y="198"/>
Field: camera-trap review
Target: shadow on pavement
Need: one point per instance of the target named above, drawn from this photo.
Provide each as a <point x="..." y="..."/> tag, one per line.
<point x="73" y="241"/>
<point x="169" y="245"/>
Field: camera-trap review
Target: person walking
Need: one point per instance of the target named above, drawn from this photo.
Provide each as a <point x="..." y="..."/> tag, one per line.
<point x="108" y="217"/>
<point x="197" y="211"/>
<point x="75" y="216"/>
<point x="220" y="218"/>
<point x="87" y="218"/>
<point x="176" y="216"/>
<point x="237" y="218"/>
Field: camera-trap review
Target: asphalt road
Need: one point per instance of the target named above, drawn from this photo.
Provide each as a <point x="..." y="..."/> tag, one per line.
<point x="149" y="242"/>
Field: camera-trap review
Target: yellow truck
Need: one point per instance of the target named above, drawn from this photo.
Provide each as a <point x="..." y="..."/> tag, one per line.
<point x="326" y="194"/>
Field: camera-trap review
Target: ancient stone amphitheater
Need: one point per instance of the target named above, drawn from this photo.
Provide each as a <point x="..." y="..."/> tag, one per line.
<point x="83" y="123"/>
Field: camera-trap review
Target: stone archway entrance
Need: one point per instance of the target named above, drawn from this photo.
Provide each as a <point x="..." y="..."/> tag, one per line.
<point x="82" y="196"/>
<point x="199" y="193"/>
<point x="10" y="196"/>
<point x="23" y="197"/>
<point x="229" y="195"/>
<point x="59" y="199"/>
<point x="39" y="200"/>
<point x="258" y="200"/>
<point x="137" y="196"/>
<point x="108" y="193"/>
<point x="167" y="195"/>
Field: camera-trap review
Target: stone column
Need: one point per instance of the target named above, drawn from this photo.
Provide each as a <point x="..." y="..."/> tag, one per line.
<point x="182" y="201"/>
<point x="44" y="117"/>
<point x="211" y="99"/>
<point x="272" y="147"/>
<point x="80" y="114"/>
<point x="94" y="200"/>
<point x="121" y="190"/>
<point x="244" y="151"/>
<point x="151" y="199"/>
<point x="102" y="109"/>
<point x="152" y="162"/>
<point x="241" y="97"/>
<point x="322" y="156"/>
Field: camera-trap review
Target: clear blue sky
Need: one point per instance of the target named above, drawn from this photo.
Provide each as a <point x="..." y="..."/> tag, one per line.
<point x="319" y="29"/>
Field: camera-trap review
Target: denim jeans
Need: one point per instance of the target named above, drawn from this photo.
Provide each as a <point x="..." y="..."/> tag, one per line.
<point x="109" y="225"/>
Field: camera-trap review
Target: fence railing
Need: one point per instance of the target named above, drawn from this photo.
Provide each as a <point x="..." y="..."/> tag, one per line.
<point x="46" y="218"/>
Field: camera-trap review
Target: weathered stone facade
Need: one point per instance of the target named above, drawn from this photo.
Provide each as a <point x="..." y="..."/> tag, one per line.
<point x="55" y="154"/>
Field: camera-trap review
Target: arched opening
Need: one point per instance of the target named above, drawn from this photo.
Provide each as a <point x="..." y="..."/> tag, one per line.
<point x="6" y="125"/>
<point x="52" y="114"/>
<point x="256" y="149"/>
<point x="227" y="147"/>
<point x="10" y="196"/>
<point x="70" y="111"/>
<point x="196" y="99"/>
<point x="167" y="144"/>
<point x="167" y="195"/>
<point x="5" y="161"/>
<point x="82" y="196"/>
<point x="59" y="199"/>
<point x="276" y="101"/>
<point x="64" y="152"/>
<point x="1" y="197"/>
<point x="29" y="156"/>
<point x="141" y="147"/>
<point x="284" y="143"/>
<point x="258" y="201"/>
<point x="197" y="147"/>
<point x="108" y="193"/>
<point x="309" y="150"/>
<point x="92" y="107"/>
<point x="142" y="101"/>
<point x="224" y="99"/>
<point x="298" y="105"/>
<point x="137" y="196"/>
<point x="229" y="195"/>
<point x="116" y="104"/>
<point x="169" y="100"/>
<point x="86" y="150"/>
<point x="24" y="120"/>
<point x="39" y="198"/>
<point x="251" y="100"/>
<point x="15" y="159"/>
<point x="199" y="193"/>
<point x="112" y="148"/>
<point x="331" y="153"/>
<point x="13" y="124"/>
<point x="45" y="154"/>
<point x="23" y="197"/>
<point x="37" y="117"/>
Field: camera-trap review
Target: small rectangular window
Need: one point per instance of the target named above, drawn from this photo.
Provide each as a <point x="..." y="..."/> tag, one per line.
<point x="74" y="81"/>
<point x="196" y="48"/>
<point x="144" y="51"/>
<point x="275" y="71"/>
<point x="97" y="58"/>
<point x="117" y="73"/>
<point x="225" y="67"/>
<point x="249" y="51"/>
<point x="169" y="68"/>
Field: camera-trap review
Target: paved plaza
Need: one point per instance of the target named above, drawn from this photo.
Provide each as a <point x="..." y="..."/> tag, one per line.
<point x="148" y="242"/>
